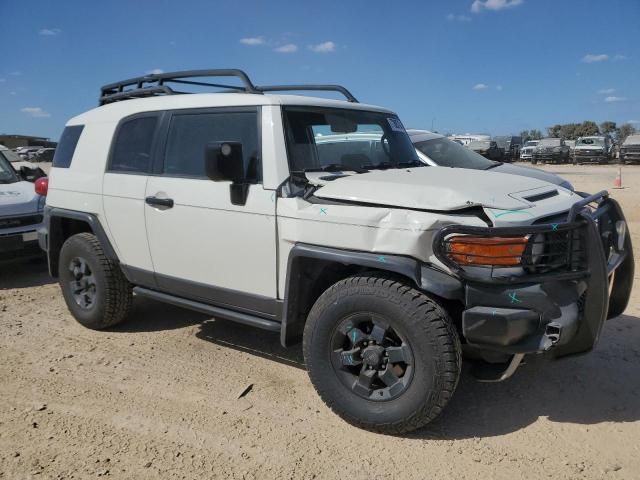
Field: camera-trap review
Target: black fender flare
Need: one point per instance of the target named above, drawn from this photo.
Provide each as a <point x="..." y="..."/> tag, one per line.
<point x="424" y="276"/>
<point x="54" y="236"/>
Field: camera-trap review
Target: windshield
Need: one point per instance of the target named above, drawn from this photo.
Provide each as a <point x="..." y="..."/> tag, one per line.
<point x="11" y="155"/>
<point x="7" y="173"/>
<point x="590" y="141"/>
<point x="550" y="142"/>
<point x="632" y="140"/>
<point x="327" y="139"/>
<point x="446" y="153"/>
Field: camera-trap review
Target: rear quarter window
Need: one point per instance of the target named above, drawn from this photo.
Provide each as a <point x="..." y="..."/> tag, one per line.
<point x="67" y="146"/>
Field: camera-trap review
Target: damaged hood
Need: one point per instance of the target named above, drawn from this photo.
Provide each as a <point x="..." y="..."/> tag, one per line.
<point x="434" y="188"/>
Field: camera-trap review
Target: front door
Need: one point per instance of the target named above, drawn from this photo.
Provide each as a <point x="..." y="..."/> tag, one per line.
<point x="202" y="246"/>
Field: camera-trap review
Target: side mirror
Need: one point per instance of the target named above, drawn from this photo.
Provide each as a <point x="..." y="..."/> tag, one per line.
<point x="224" y="162"/>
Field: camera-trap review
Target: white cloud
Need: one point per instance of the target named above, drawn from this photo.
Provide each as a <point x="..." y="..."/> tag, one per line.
<point x="15" y="73"/>
<point x="325" y="47"/>
<point x="478" y="5"/>
<point x="499" y="87"/>
<point x="593" y="58"/>
<point x="606" y="91"/>
<point x="155" y="71"/>
<point x="287" y="48"/>
<point x="614" y="99"/>
<point x="36" y="112"/>
<point x="619" y="57"/>
<point x="252" y="41"/>
<point x="480" y="86"/>
<point x="633" y="121"/>
<point x="50" y="32"/>
<point x="458" y="18"/>
<point x="13" y="93"/>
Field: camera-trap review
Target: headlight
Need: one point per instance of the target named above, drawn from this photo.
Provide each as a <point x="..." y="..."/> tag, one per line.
<point x="487" y="251"/>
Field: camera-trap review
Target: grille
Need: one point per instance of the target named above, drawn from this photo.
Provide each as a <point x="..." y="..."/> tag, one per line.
<point x="16" y="222"/>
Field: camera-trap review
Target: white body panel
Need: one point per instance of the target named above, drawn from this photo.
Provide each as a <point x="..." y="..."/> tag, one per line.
<point x="206" y="239"/>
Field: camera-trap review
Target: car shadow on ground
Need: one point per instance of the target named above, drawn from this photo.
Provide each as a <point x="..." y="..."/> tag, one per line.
<point x="602" y="386"/>
<point x="260" y="343"/>
<point x="24" y="273"/>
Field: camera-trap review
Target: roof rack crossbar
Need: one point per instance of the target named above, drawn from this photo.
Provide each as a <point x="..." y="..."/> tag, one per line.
<point x="311" y="87"/>
<point x="206" y="84"/>
<point x="135" y="93"/>
<point x="155" y="84"/>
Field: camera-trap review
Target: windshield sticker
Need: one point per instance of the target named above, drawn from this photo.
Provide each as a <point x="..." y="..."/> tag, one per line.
<point x="395" y="124"/>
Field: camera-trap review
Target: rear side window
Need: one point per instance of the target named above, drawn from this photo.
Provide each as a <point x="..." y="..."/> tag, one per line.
<point x="132" y="148"/>
<point x="67" y="146"/>
<point x="189" y="134"/>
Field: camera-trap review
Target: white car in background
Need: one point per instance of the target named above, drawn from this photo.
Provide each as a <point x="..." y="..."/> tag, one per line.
<point x="16" y="160"/>
<point x="526" y="152"/>
<point x="439" y="151"/>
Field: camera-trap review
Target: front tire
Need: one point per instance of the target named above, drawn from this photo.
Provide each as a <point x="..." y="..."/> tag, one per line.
<point x="382" y="355"/>
<point x="94" y="288"/>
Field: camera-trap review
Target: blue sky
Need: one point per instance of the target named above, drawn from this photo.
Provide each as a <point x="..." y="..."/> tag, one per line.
<point x="496" y="66"/>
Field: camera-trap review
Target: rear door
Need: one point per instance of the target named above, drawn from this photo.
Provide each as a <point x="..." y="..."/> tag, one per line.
<point x="124" y="186"/>
<point x="202" y="246"/>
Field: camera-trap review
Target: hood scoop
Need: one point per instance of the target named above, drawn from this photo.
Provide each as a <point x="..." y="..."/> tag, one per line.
<point x="541" y="196"/>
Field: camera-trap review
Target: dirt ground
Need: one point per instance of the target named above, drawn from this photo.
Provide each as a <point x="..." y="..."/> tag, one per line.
<point x="158" y="398"/>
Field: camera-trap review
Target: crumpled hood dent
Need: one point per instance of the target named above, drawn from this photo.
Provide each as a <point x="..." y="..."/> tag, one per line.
<point x="434" y="189"/>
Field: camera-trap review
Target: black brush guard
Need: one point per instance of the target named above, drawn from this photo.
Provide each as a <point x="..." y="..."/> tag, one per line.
<point x="583" y="276"/>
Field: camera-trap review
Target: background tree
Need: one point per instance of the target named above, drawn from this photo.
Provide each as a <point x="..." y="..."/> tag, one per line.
<point x="624" y="131"/>
<point x="608" y="128"/>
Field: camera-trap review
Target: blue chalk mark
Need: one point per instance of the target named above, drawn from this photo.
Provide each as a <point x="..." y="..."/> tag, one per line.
<point x="493" y="312"/>
<point x="273" y="197"/>
<point x="323" y="211"/>
<point x="381" y="258"/>
<point x="507" y="212"/>
<point x="514" y="297"/>
<point x="554" y="226"/>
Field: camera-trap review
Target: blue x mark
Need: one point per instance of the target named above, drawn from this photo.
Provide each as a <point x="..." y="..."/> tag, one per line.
<point x="323" y="211"/>
<point x="514" y="297"/>
<point x="554" y="226"/>
<point x="381" y="258"/>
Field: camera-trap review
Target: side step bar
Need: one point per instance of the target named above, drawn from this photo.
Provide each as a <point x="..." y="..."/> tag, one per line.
<point x="219" y="312"/>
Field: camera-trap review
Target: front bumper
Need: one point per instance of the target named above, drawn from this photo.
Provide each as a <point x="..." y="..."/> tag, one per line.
<point x="590" y="157"/>
<point x="560" y="311"/>
<point x="630" y="156"/>
<point x="547" y="157"/>
<point x="19" y="245"/>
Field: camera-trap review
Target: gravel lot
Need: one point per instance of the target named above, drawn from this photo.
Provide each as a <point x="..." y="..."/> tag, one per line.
<point x="158" y="398"/>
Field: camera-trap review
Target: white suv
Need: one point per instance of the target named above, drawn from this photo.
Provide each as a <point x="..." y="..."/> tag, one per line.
<point x="233" y="204"/>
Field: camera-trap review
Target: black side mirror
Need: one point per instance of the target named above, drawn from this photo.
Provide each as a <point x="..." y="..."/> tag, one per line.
<point x="31" y="174"/>
<point x="224" y="162"/>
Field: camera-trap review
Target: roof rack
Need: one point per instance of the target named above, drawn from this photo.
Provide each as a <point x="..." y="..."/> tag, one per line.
<point x="155" y="84"/>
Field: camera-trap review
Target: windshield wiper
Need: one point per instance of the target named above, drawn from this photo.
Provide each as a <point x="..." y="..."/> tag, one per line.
<point x="414" y="163"/>
<point x="495" y="164"/>
<point x="335" y="167"/>
<point x="378" y="166"/>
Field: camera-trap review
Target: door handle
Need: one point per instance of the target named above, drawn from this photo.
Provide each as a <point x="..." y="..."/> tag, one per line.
<point x="159" y="202"/>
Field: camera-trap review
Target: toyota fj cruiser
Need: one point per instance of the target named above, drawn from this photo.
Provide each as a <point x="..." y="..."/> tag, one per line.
<point x="232" y="204"/>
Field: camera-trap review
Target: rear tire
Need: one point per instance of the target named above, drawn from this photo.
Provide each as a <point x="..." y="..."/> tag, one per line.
<point x="94" y="288"/>
<point x="339" y="352"/>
